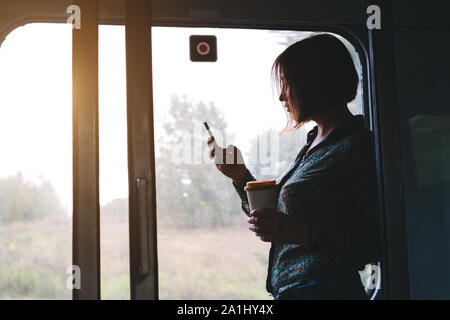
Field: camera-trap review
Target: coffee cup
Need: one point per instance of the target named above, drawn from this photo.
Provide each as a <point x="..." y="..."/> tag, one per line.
<point x="262" y="194"/>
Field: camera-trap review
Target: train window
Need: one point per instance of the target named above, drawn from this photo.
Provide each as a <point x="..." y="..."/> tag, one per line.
<point x="205" y="250"/>
<point x="428" y="136"/>
<point x="424" y="123"/>
<point x="36" y="162"/>
<point x="426" y="220"/>
<point x="114" y="231"/>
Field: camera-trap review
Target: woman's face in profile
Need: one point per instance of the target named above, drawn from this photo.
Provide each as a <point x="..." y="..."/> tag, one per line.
<point x="284" y="94"/>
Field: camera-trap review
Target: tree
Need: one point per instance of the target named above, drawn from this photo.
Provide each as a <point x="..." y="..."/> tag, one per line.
<point x="191" y="191"/>
<point x="21" y="200"/>
<point x="116" y="210"/>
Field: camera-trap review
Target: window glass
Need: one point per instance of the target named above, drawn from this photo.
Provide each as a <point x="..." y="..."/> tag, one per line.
<point x="36" y="162"/>
<point x="429" y="136"/>
<point x="114" y="239"/>
<point x="424" y="123"/>
<point x="36" y="167"/>
<point x="205" y="250"/>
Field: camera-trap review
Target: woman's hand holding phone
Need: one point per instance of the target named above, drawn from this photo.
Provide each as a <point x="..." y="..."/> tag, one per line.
<point x="228" y="160"/>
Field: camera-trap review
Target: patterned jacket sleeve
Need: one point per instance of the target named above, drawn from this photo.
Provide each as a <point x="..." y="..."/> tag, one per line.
<point x="242" y="194"/>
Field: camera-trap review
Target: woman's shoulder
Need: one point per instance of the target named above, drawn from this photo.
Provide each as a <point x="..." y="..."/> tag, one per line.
<point x="358" y="141"/>
<point x="355" y="147"/>
<point x="362" y="140"/>
<point x="348" y="146"/>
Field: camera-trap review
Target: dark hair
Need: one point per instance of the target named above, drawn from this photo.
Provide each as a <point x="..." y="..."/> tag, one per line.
<point x="320" y="75"/>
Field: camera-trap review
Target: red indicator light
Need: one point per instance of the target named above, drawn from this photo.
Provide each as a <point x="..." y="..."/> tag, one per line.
<point x="203" y="48"/>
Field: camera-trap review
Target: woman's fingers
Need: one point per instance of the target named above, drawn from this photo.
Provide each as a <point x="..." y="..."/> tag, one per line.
<point x="212" y="152"/>
<point x="259" y="231"/>
<point x="258" y="221"/>
<point x="212" y="149"/>
<point x="263" y="213"/>
<point x="261" y="227"/>
<point x="266" y="237"/>
<point x="234" y="156"/>
<point x="228" y="155"/>
<point x="209" y="141"/>
<point x="266" y="224"/>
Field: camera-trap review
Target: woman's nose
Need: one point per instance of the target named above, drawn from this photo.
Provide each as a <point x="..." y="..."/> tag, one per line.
<point x="282" y="97"/>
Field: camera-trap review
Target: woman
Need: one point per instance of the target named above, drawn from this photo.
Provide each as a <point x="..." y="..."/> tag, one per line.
<point x="325" y="227"/>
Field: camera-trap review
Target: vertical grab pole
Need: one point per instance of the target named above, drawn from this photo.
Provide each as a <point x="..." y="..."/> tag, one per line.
<point x="141" y="155"/>
<point x="86" y="212"/>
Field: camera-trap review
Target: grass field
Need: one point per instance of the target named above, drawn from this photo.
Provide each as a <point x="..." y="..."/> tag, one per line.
<point x="221" y="263"/>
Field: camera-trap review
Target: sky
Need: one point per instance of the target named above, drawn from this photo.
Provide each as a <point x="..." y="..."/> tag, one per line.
<point x="36" y="101"/>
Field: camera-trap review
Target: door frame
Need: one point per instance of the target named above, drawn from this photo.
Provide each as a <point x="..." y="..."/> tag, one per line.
<point x="141" y="152"/>
<point x="86" y="208"/>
